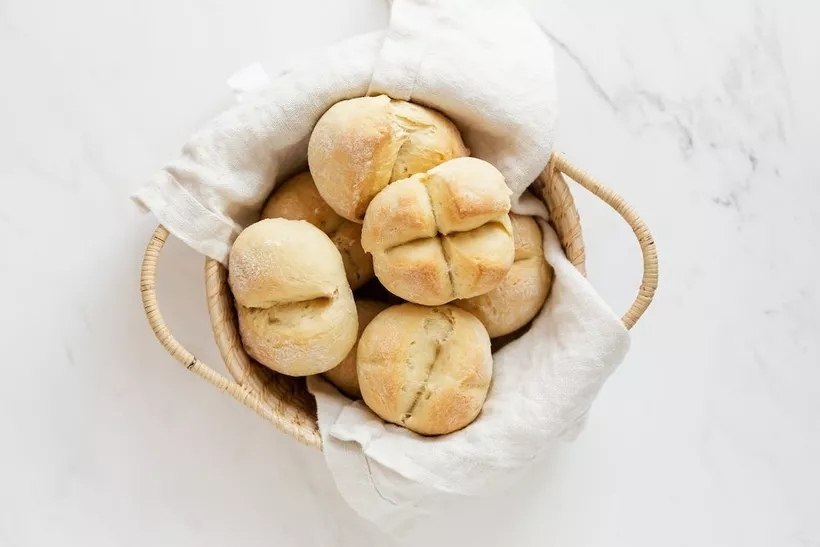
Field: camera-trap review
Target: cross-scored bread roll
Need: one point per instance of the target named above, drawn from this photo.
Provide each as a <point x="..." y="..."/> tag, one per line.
<point x="298" y="199"/>
<point x="427" y="369"/>
<point x="295" y="308"/>
<point x="523" y="291"/>
<point x="344" y="375"/>
<point x="441" y="235"/>
<point x="361" y="145"/>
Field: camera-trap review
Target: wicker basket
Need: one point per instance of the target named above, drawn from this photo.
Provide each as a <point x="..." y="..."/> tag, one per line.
<point x="285" y="401"/>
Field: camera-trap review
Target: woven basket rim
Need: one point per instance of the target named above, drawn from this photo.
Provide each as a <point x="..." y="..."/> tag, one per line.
<point x="284" y="401"/>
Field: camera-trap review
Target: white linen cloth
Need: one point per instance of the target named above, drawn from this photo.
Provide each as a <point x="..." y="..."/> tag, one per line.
<point x="488" y="67"/>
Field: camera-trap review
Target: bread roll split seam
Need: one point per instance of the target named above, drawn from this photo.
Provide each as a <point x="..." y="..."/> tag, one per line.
<point x="441" y="213"/>
<point x="360" y="146"/>
<point x="441" y="235"/>
<point x="425" y="384"/>
<point x="425" y="368"/>
<point x="295" y="309"/>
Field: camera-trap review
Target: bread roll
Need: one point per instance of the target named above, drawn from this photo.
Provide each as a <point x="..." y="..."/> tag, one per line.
<point x="427" y="369"/>
<point x="298" y="199"/>
<point x="295" y="308"/>
<point x="523" y="291"/>
<point x="344" y="375"/>
<point x="443" y="234"/>
<point x="361" y="145"/>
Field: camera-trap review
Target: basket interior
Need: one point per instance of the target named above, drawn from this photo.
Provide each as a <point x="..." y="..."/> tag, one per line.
<point x="288" y="403"/>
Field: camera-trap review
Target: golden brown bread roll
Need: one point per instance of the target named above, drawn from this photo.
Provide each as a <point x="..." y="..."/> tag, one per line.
<point x="295" y="308"/>
<point x="443" y="234"/>
<point x="427" y="369"/>
<point x="523" y="291"/>
<point x="298" y="199"/>
<point x="344" y="375"/>
<point x="361" y="145"/>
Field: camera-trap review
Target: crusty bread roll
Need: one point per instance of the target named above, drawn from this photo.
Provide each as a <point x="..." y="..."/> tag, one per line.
<point x="443" y="234"/>
<point x="427" y="369"/>
<point x="296" y="310"/>
<point x="523" y="291"/>
<point x="361" y="145"/>
<point x="344" y="375"/>
<point x="298" y="199"/>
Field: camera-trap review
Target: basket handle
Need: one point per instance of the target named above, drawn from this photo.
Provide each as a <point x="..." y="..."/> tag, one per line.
<point x="649" y="282"/>
<point x="148" y="275"/>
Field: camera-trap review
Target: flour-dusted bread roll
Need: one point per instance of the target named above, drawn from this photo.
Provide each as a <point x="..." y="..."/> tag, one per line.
<point x="361" y="145"/>
<point x="344" y="375"/>
<point x="441" y="235"/>
<point x="296" y="310"/>
<point x="298" y="199"/>
<point x="523" y="291"/>
<point x="427" y="369"/>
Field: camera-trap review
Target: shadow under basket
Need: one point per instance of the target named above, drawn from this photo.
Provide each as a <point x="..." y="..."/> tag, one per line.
<point x="283" y="400"/>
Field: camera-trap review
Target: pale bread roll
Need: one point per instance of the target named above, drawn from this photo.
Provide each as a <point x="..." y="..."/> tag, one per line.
<point x="295" y="308"/>
<point x="298" y="199"/>
<point x="344" y="375"/>
<point x="441" y="235"/>
<point x="427" y="369"/>
<point x="361" y="145"/>
<point x="523" y="291"/>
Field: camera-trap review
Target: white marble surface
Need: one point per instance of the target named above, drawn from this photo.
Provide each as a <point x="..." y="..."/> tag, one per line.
<point x="704" y="114"/>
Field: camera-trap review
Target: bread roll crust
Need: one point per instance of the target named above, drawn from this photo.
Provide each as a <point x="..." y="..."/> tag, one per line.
<point x="441" y="235"/>
<point x="427" y="369"/>
<point x="298" y="199"/>
<point x="522" y="293"/>
<point x="295" y="309"/>
<point x="361" y="145"/>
